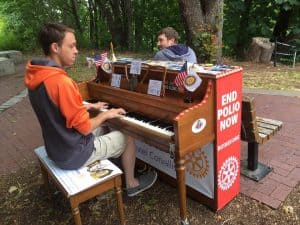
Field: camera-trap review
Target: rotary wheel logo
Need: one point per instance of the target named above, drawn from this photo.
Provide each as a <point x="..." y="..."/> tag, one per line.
<point x="197" y="164"/>
<point x="228" y="173"/>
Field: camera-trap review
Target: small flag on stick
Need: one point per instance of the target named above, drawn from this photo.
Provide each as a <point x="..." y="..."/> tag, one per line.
<point x="179" y="79"/>
<point x="113" y="57"/>
<point x="98" y="62"/>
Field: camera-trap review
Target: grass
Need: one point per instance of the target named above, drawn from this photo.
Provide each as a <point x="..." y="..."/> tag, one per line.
<point x="79" y="71"/>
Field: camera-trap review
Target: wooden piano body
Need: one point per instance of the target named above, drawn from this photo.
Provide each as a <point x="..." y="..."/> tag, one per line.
<point x="195" y="124"/>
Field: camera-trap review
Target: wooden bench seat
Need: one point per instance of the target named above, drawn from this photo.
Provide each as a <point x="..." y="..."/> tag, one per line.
<point x="255" y="130"/>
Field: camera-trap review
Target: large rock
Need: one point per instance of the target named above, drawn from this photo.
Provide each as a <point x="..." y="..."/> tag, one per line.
<point x="7" y="66"/>
<point x="16" y="56"/>
<point x="260" y="50"/>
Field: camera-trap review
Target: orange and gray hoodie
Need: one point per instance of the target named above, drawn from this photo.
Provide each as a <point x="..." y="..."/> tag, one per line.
<point x="58" y="106"/>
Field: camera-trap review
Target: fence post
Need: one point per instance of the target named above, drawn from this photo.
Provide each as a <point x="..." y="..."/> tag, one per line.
<point x="294" y="61"/>
<point x="275" y="52"/>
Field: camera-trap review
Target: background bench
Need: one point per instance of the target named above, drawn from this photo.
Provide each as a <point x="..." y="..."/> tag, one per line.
<point x="255" y="130"/>
<point x="285" y="53"/>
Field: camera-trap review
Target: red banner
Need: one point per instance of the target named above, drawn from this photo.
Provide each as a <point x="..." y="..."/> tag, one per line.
<point x="228" y="144"/>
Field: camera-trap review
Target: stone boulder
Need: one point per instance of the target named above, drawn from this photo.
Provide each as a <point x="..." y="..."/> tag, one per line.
<point x="7" y="66"/>
<point x="16" y="56"/>
<point x="260" y="50"/>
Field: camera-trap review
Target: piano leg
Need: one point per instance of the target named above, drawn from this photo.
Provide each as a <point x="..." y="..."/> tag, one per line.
<point x="180" y="173"/>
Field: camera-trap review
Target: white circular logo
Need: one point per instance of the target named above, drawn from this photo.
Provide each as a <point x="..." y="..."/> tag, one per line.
<point x="198" y="125"/>
<point x="228" y="173"/>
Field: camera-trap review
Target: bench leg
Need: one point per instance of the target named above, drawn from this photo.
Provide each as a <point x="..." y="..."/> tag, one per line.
<point x="252" y="155"/>
<point x="251" y="168"/>
<point x="118" y="185"/>
<point x="76" y="214"/>
<point x="120" y="205"/>
<point x="45" y="179"/>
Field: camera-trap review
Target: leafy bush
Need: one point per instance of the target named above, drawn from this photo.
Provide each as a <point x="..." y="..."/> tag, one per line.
<point x="8" y="40"/>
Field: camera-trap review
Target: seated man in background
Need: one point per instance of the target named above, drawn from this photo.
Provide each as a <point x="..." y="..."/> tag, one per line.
<point x="73" y="139"/>
<point x="170" y="50"/>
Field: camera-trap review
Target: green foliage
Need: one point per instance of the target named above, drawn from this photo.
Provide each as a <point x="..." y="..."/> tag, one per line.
<point x="204" y="46"/>
<point x="21" y="20"/>
<point x="24" y="18"/>
<point x="104" y="35"/>
<point x="8" y="40"/>
<point x="262" y="19"/>
<point x="287" y="4"/>
<point x="151" y="19"/>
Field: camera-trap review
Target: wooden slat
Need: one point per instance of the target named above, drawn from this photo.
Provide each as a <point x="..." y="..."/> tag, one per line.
<point x="266" y="131"/>
<point x="256" y="128"/>
<point x="267" y="126"/>
<point x="263" y="138"/>
<point x="270" y="121"/>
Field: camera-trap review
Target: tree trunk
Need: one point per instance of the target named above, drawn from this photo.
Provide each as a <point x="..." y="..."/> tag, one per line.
<point x="128" y="23"/>
<point x="92" y="23"/>
<point x="138" y="24"/>
<point x="282" y="24"/>
<point x="114" y="16"/>
<point x="260" y="50"/>
<point x="203" y="21"/>
<point x="242" y="35"/>
<point x="76" y="16"/>
<point x="96" y="19"/>
<point x="118" y="26"/>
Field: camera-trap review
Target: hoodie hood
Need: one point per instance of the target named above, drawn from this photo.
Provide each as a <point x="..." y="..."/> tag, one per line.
<point x="39" y="70"/>
<point x="179" y="49"/>
<point x="176" y="53"/>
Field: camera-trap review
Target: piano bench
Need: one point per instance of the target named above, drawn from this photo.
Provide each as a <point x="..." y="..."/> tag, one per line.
<point x="82" y="184"/>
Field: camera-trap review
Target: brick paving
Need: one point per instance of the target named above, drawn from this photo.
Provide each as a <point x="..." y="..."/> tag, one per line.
<point x="20" y="134"/>
<point x="281" y="152"/>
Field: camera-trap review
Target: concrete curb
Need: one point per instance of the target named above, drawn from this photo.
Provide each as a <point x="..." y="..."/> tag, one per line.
<point x="290" y="93"/>
<point x="14" y="100"/>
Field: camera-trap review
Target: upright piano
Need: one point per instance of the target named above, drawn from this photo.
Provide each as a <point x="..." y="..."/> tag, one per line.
<point x="179" y="123"/>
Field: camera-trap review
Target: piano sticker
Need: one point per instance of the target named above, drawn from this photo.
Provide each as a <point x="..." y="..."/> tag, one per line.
<point x="198" y="125"/>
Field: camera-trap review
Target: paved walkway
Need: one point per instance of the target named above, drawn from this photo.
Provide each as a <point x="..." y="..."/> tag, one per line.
<point x="20" y="134"/>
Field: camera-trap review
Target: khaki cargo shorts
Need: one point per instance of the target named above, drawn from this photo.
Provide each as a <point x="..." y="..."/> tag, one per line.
<point x="109" y="145"/>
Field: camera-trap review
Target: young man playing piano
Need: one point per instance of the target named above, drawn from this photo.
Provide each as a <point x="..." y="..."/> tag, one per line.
<point x="170" y="50"/>
<point x="72" y="139"/>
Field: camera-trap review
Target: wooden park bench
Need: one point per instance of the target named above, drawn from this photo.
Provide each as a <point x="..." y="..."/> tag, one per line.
<point x="255" y="130"/>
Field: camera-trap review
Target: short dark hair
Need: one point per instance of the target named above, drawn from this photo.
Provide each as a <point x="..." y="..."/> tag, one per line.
<point x="170" y="33"/>
<point x="52" y="33"/>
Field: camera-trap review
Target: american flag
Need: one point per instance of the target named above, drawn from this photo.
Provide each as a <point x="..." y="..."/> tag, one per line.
<point x="179" y="79"/>
<point x="100" y="60"/>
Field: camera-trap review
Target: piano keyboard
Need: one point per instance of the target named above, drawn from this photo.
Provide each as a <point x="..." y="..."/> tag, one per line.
<point x="157" y="126"/>
<point x="154" y="125"/>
